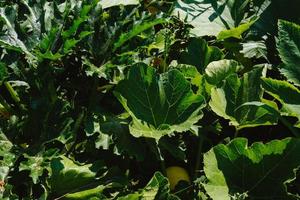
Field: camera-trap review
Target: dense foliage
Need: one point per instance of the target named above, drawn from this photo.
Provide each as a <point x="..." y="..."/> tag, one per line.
<point x="99" y="97"/>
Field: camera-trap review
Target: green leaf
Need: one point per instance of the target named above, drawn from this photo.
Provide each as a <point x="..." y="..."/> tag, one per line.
<point x="111" y="3"/>
<point x="157" y="188"/>
<point x="11" y="39"/>
<point x="288" y="45"/>
<point x="287" y="94"/>
<point x="217" y="71"/>
<point x="199" y="54"/>
<point x="159" y="104"/>
<point x="175" y="147"/>
<point x="260" y="171"/>
<point x="210" y="17"/>
<point x="254" y="49"/>
<point x="122" y="139"/>
<point x="272" y="11"/>
<point x="91" y="69"/>
<point x="235" y="32"/>
<point x="35" y="165"/>
<point x="3" y="71"/>
<point x="95" y="194"/>
<point x="7" y="157"/>
<point x="137" y="29"/>
<point x="197" y="80"/>
<point x="227" y="100"/>
<point x="204" y="17"/>
<point x="68" y="177"/>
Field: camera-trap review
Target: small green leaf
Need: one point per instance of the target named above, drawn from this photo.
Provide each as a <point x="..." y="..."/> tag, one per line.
<point x="137" y="29"/>
<point x="235" y="32"/>
<point x="254" y="49"/>
<point x="7" y="157"/>
<point x="157" y="188"/>
<point x="217" y="71"/>
<point x="111" y="3"/>
<point x="35" y="165"/>
<point x="95" y="194"/>
<point x="3" y="71"/>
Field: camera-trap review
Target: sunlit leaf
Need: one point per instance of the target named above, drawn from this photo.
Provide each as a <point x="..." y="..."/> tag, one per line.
<point x="160" y="104"/>
<point x="288" y="45"/>
<point x="259" y="171"/>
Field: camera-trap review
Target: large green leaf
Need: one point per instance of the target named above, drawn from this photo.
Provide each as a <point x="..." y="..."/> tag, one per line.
<point x="69" y="177"/>
<point x="260" y="171"/>
<point x="272" y="10"/>
<point x="288" y="45"/>
<point x="210" y="17"/>
<point x="287" y="94"/>
<point x="199" y="54"/>
<point x="228" y="100"/>
<point x="159" y="104"/>
<point x="205" y="18"/>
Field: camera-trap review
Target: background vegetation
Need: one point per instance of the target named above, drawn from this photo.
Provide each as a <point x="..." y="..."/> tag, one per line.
<point x="99" y="97"/>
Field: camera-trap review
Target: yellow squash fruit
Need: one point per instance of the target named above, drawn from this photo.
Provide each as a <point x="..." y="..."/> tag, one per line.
<point x="176" y="174"/>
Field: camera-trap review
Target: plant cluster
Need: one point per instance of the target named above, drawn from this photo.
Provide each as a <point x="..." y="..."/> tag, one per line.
<point x="149" y="99"/>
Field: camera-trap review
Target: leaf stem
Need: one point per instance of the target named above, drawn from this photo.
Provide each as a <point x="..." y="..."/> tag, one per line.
<point x="236" y="133"/>
<point x="77" y="124"/>
<point x="290" y="127"/>
<point x="162" y="160"/>
<point x="154" y="146"/>
<point x="199" y="152"/>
